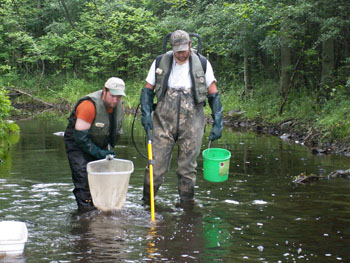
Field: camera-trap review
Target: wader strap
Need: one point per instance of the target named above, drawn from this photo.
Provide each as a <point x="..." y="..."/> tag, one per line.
<point x="192" y="80"/>
<point x="166" y="78"/>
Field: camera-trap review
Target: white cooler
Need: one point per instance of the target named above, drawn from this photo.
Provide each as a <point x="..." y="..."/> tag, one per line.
<point x="13" y="236"/>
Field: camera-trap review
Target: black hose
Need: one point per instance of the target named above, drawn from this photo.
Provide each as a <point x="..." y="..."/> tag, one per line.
<point x="165" y="40"/>
<point x="132" y="133"/>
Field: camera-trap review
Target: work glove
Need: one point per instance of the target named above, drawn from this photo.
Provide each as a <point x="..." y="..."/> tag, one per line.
<point x="217" y="110"/>
<point x="146" y="99"/>
<point x="83" y="140"/>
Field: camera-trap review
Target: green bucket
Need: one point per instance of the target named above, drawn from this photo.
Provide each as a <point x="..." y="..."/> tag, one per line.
<point x="216" y="164"/>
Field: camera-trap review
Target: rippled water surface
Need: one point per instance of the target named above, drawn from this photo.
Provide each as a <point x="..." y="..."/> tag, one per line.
<point x="257" y="215"/>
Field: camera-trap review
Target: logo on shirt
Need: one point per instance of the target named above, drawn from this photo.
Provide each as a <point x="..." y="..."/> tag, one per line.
<point x="201" y="79"/>
<point x="99" y="124"/>
<point x="159" y="71"/>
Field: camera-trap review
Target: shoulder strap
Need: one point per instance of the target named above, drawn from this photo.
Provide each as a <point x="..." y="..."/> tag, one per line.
<point x="203" y="62"/>
<point x="158" y="60"/>
<point x="157" y="63"/>
<point x="202" y="58"/>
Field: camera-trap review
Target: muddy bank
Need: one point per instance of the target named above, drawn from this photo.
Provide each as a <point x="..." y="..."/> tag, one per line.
<point x="293" y="131"/>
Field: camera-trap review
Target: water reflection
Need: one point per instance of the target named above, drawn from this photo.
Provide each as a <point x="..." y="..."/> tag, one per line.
<point x="257" y="215"/>
<point x="5" y="156"/>
<point x="217" y="236"/>
<point x="177" y="238"/>
<point x="13" y="259"/>
<point x="100" y="236"/>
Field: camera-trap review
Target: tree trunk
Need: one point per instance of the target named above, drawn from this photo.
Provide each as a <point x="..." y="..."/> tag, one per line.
<point x="286" y="61"/>
<point x="327" y="61"/>
<point x="247" y="75"/>
<point x="67" y="13"/>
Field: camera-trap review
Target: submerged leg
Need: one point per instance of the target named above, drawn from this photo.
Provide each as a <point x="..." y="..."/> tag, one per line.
<point x="81" y="190"/>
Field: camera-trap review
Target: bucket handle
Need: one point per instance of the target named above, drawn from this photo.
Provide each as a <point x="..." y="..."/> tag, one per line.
<point x="209" y="144"/>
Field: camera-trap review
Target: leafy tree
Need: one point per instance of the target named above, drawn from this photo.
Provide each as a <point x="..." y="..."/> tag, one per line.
<point x="246" y="41"/>
<point x="6" y="126"/>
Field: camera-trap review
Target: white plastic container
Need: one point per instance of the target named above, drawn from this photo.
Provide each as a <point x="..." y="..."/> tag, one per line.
<point x="13" y="236"/>
<point x="108" y="182"/>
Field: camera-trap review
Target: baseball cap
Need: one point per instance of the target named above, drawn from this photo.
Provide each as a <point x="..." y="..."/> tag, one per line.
<point x="179" y="40"/>
<point x="116" y="86"/>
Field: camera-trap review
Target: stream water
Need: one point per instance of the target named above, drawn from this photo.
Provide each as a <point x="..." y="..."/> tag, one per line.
<point x="257" y="215"/>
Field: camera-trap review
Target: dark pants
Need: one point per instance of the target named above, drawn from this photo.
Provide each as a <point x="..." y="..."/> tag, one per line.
<point x="78" y="161"/>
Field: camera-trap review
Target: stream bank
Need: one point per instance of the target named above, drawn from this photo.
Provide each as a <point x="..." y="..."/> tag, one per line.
<point x="291" y="130"/>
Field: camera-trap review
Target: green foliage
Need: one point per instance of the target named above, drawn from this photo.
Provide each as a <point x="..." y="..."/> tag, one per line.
<point x="254" y="104"/>
<point x="65" y="49"/>
<point x="5" y="105"/>
<point x="71" y="89"/>
<point x="133" y="92"/>
<point x="98" y="43"/>
<point x="6" y="126"/>
<point x="74" y="89"/>
<point x="334" y="118"/>
<point x="102" y="38"/>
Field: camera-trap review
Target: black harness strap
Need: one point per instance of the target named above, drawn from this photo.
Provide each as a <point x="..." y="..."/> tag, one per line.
<point x="203" y="61"/>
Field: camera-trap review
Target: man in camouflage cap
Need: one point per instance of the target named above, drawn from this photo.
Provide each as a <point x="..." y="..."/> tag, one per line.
<point x="182" y="84"/>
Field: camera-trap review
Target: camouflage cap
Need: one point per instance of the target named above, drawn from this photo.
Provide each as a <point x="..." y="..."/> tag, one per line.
<point x="116" y="86"/>
<point x="179" y="40"/>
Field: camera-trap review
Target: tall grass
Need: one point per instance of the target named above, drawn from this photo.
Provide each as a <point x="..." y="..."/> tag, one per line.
<point x="331" y="118"/>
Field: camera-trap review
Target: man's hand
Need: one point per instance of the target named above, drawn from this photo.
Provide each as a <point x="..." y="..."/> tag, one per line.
<point x="83" y="140"/>
<point x="217" y="111"/>
<point x="146" y="99"/>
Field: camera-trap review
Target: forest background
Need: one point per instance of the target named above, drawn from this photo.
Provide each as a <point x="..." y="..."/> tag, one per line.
<point x="276" y="61"/>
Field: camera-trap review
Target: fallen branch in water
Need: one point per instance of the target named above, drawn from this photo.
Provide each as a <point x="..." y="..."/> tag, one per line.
<point x="340" y="173"/>
<point x="303" y="178"/>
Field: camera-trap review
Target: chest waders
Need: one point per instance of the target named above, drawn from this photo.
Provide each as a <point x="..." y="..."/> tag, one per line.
<point x="104" y="130"/>
<point x="178" y="118"/>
